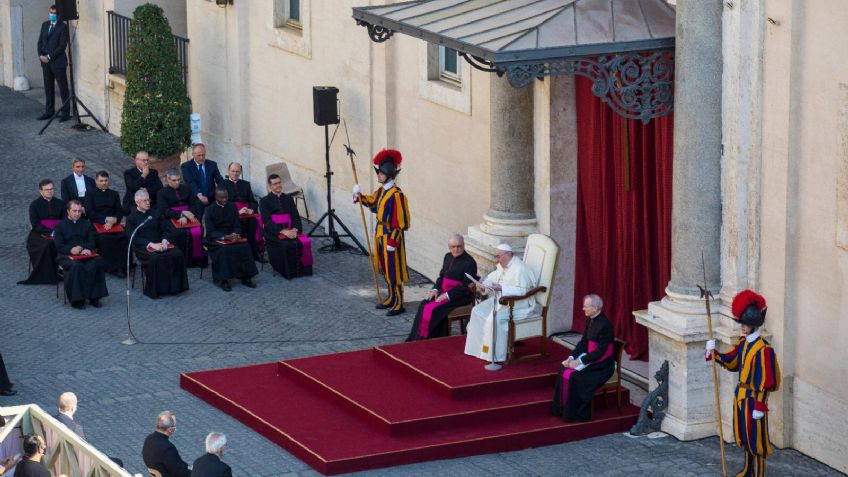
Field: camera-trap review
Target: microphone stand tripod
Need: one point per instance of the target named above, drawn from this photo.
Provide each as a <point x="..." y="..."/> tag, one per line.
<point x="131" y="340"/>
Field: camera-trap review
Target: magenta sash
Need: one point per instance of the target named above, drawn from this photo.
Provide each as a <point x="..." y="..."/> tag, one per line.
<point x="196" y="239"/>
<point x="50" y="223"/>
<point x="593" y="345"/>
<point x="258" y="239"/>
<point x="306" y="255"/>
<point x="427" y="313"/>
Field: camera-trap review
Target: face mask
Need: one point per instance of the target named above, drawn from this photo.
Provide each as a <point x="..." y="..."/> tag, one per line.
<point x="52" y="17"/>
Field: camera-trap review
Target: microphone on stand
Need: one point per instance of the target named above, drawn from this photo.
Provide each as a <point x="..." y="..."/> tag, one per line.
<point x="131" y="340"/>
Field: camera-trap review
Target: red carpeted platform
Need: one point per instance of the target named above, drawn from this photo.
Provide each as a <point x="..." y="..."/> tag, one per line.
<point x="402" y="403"/>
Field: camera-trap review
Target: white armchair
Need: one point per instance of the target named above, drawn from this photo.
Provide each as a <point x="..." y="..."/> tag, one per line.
<point x="540" y="256"/>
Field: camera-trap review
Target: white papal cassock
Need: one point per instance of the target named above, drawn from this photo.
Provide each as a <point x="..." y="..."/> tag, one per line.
<point x="515" y="280"/>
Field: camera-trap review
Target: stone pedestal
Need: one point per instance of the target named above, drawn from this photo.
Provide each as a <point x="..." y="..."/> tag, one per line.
<point x="511" y="215"/>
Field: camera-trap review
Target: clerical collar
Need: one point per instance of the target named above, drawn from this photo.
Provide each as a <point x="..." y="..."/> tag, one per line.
<point x="219" y="204"/>
<point x="278" y="195"/>
<point x="753" y="336"/>
<point x="595" y="315"/>
<point x="233" y="181"/>
<point x="388" y="185"/>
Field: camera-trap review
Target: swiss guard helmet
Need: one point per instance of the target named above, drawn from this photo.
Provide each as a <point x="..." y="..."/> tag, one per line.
<point x="749" y="308"/>
<point x="388" y="162"/>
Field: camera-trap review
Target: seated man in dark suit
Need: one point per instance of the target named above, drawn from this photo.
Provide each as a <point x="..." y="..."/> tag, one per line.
<point x="159" y="453"/>
<point x="31" y="466"/>
<point x="76" y="185"/>
<point x="241" y="194"/>
<point x="141" y="177"/>
<point x="229" y="252"/>
<point x="201" y="175"/>
<point x="67" y="408"/>
<point x="164" y="265"/>
<point x="84" y="277"/>
<point x="105" y="211"/>
<point x="44" y="213"/>
<point x="209" y="464"/>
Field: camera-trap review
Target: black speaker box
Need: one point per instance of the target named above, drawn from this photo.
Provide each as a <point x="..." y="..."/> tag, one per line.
<point x="67" y="10"/>
<point x="325" y="105"/>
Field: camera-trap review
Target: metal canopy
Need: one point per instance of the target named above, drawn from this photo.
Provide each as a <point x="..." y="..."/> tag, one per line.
<point x="625" y="47"/>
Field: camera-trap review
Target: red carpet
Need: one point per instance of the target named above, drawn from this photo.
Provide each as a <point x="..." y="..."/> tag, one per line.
<point x="399" y="404"/>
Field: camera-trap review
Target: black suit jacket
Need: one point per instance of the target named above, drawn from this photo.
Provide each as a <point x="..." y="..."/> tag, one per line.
<point x="69" y="187"/>
<point x="191" y="176"/>
<point x="71" y="424"/>
<point x="54" y="43"/>
<point x="28" y="468"/>
<point x="134" y="182"/>
<point x="210" y="465"/>
<point x="159" y="453"/>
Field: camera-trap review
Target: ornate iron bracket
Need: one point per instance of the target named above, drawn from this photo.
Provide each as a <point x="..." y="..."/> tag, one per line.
<point x="653" y="407"/>
<point x="481" y="64"/>
<point x="637" y="85"/>
<point x="378" y="33"/>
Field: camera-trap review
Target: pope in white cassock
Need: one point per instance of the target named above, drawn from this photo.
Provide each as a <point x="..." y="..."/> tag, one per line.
<point x="510" y="278"/>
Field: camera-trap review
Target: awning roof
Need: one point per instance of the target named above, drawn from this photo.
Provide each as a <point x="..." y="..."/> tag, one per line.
<point x="505" y="31"/>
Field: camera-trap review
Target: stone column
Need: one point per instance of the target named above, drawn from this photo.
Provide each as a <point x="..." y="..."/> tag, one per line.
<point x="511" y="216"/>
<point x="677" y="324"/>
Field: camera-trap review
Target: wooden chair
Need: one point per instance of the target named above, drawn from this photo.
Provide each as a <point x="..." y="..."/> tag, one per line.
<point x="614" y="382"/>
<point x="289" y="187"/>
<point x="540" y="255"/>
<point x="460" y="314"/>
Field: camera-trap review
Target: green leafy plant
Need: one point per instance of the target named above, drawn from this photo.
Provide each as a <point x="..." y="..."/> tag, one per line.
<point x="156" y="105"/>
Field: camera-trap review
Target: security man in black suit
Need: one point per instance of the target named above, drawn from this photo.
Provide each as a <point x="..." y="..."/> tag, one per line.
<point x="202" y="175"/>
<point x="52" y="43"/>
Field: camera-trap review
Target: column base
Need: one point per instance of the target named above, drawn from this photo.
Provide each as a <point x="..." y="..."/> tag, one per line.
<point x="20" y="83"/>
<point x="482" y="239"/>
<point x="677" y="332"/>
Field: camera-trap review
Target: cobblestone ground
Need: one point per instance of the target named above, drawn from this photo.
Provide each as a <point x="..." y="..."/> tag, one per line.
<point x="50" y="348"/>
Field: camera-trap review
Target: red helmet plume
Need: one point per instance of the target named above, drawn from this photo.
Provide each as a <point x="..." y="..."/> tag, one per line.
<point x="744" y="299"/>
<point x="388" y="154"/>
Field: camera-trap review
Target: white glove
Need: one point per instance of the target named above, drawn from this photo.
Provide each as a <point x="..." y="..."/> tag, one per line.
<point x="710" y="345"/>
<point x="390" y="248"/>
<point x="757" y="414"/>
<point x="357" y="189"/>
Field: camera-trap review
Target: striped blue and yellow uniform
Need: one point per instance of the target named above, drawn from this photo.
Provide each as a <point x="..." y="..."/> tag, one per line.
<point x="392" y="212"/>
<point x="759" y="375"/>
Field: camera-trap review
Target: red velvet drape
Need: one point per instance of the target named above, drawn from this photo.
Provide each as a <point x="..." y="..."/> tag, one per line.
<point x="623" y="227"/>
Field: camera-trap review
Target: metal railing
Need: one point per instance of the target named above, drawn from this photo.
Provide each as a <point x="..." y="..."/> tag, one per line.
<point x="119" y="32"/>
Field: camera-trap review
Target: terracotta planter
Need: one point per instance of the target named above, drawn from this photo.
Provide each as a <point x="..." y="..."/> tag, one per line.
<point x="163" y="164"/>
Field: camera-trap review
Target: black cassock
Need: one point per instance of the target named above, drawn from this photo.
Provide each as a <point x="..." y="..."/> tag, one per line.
<point x="182" y="237"/>
<point x="452" y="269"/>
<point x="283" y="254"/>
<point x="84" y="279"/>
<point x="582" y="384"/>
<point x="241" y="192"/>
<point x="134" y="182"/>
<point x="165" y="272"/>
<point x="42" y="250"/>
<point x="234" y="260"/>
<point x="99" y="204"/>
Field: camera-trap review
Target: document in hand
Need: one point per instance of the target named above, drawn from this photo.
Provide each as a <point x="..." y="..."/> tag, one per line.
<point x="478" y="283"/>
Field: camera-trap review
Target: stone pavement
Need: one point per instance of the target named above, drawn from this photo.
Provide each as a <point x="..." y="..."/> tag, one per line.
<point x="50" y="348"/>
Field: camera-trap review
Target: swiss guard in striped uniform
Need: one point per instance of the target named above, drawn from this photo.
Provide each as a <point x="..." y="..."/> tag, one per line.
<point x="389" y="203"/>
<point x="759" y="375"/>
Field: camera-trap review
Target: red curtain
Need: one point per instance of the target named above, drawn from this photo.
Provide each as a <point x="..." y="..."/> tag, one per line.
<point x="623" y="214"/>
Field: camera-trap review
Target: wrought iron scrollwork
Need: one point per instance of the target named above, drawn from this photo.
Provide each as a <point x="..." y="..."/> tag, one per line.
<point x="481" y="64"/>
<point x="378" y="33"/>
<point x="654" y="406"/>
<point x="638" y="85"/>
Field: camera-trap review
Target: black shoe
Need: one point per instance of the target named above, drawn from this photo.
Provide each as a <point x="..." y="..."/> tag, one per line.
<point x="225" y="285"/>
<point x="381" y="306"/>
<point x="95" y="302"/>
<point x="79" y="305"/>
<point x="45" y="116"/>
<point x="248" y="283"/>
<point x="8" y="392"/>
<point x="396" y="312"/>
<point x="64" y="117"/>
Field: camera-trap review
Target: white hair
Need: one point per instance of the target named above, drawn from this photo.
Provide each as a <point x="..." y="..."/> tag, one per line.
<point x="215" y="441"/>
<point x="141" y="194"/>
<point x="596" y="300"/>
<point x="165" y="420"/>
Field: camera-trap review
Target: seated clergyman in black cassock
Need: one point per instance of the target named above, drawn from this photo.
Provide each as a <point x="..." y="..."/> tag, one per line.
<point x="84" y="276"/>
<point x="182" y="211"/>
<point x="590" y="365"/>
<point x="163" y="264"/>
<point x="105" y="210"/>
<point x="241" y="194"/>
<point x="44" y="213"/>
<point x="452" y="290"/>
<point x="289" y="251"/>
<point x="230" y="253"/>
